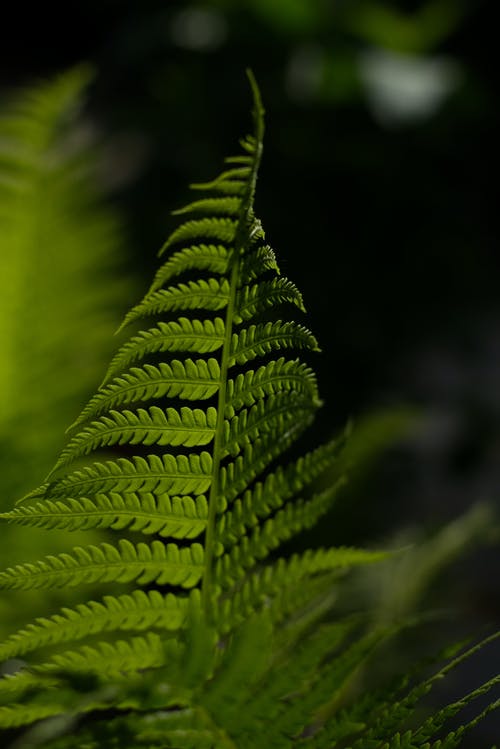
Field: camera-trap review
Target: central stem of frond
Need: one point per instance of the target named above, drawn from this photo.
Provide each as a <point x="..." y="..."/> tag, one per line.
<point x="243" y="239"/>
<point x="210" y="539"/>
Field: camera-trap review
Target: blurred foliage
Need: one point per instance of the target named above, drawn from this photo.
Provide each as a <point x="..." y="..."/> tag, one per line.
<point x="417" y="31"/>
<point x="61" y="287"/>
<point x="408" y="582"/>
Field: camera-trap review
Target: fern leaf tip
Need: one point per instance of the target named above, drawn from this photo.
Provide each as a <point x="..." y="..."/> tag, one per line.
<point x="259" y="106"/>
<point x="121" y="326"/>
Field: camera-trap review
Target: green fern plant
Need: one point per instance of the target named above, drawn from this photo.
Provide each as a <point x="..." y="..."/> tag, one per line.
<point x="216" y="640"/>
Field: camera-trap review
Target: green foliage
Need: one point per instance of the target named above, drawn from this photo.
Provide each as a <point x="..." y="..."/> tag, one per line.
<point x="382" y="24"/>
<point x="61" y="288"/>
<point x="220" y="642"/>
<point x="59" y="285"/>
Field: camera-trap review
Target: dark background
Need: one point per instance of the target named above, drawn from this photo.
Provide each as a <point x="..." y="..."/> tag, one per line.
<point x="376" y="191"/>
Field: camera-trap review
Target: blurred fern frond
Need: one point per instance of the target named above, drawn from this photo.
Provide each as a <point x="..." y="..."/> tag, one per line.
<point x="60" y="280"/>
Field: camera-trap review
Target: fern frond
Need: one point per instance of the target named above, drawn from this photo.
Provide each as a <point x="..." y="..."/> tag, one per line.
<point x="221" y="186"/>
<point x="257" y="263"/>
<point x="278" y="376"/>
<point x="61" y="277"/>
<point x="138" y="610"/>
<point x="154" y="426"/>
<point x="229" y="182"/>
<point x="274" y="413"/>
<point x="281" y="483"/>
<point x="119" y="659"/>
<point x="237" y="475"/>
<point x="433" y="725"/>
<point x="191" y="380"/>
<point x="248" y="657"/>
<point x="178" y="517"/>
<point x="143" y="563"/>
<point x="286" y="523"/>
<point x="278" y="486"/>
<point x="182" y="728"/>
<point x="392" y="715"/>
<point x="181" y="474"/>
<point x="326" y="686"/>
<point x="259" y="340"/>
<point x="221" y="229"/>
<point x="210" y="294"/>
<point x="63" y="701"/>
<point x="244" y="515"/>
<point x="264" y="584"/>
<point x="46" y="698"/>
<point x="197" y="336"/>
<point x="17" y="715"/>
<point x="14" y="686"/>
<point x="203" y="257"/>
<point x="268" y="699"/>
<point x="256" y="299"/>
<point x="242" y="158"/>
<point x="228" y="206"/>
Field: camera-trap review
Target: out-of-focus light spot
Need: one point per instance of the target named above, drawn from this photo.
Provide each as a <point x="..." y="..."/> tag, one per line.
<point x="405" y="89"/>
<point x="198" y="29"/>
<point x="305" y="72"/>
